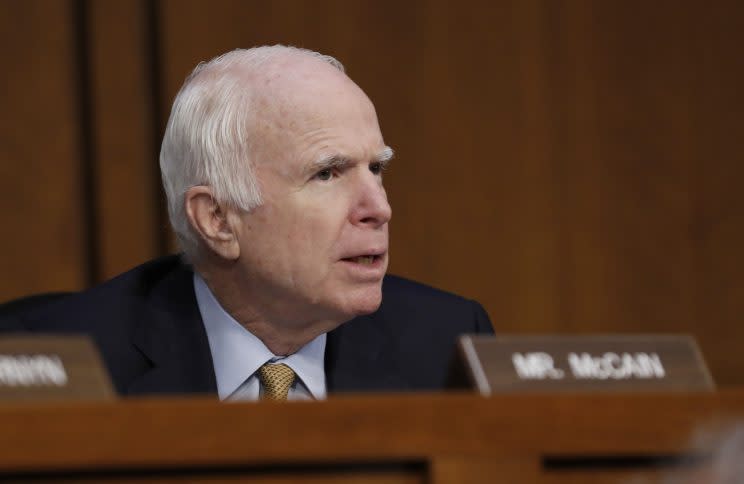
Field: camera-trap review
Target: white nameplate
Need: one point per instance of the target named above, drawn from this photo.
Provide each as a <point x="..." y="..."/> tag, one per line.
<point x="584" y="363"/>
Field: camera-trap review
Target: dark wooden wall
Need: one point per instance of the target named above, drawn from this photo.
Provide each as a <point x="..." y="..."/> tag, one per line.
<point x="574" y="165"/>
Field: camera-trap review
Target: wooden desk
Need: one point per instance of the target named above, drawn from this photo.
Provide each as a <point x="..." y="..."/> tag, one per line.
<point x="434" y="438"/>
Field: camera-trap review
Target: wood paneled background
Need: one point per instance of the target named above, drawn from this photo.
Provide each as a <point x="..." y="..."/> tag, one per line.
<point x="573" y="165"/>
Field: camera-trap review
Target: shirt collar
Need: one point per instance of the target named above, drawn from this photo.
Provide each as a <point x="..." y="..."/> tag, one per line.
<point x="237" y="353"/>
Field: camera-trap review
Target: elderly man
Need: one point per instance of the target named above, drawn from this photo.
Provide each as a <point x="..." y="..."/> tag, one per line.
<point x="272" y="163"/>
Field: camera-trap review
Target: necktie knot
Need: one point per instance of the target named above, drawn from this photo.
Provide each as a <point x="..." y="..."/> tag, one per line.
<point x="276" y="380"/>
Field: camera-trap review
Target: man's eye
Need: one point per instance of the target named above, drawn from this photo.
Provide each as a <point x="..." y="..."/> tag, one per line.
<point x="376" y="167"/>
<point x="324" y="175"/>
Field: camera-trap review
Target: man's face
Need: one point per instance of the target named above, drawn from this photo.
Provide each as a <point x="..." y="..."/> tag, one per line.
<point x="317" y="248"/>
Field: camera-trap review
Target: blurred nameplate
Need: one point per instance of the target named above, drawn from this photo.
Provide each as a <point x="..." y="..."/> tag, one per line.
<point x="51" y="367"/>
<point x="608" y="363"/>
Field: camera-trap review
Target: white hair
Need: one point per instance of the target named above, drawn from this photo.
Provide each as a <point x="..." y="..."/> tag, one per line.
<point x="206" y="141"/>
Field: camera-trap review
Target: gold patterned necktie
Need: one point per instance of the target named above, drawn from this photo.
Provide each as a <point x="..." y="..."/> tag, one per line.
<point x="276" y="380"/>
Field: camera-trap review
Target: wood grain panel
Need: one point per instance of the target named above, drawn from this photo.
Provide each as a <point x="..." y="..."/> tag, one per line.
<point x="125" y="158"/>
<point x="326" y="475"/>
<point x="43" y="242"/>
<point x="717" y="227"/>
<point x="480" y="470"/>
<point x="462" y="438"/>
<point x="636" y="159"/>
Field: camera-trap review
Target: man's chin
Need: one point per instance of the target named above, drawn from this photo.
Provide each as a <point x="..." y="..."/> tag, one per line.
<point x="363" y="303"/>
<point x="368" y="308"/>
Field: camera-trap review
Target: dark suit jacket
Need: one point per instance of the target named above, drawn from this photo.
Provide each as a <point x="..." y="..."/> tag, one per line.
<point x="147" y="325"/>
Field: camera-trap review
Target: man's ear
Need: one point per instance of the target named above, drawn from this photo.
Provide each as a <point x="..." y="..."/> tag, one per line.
<point x="211" y="222"/>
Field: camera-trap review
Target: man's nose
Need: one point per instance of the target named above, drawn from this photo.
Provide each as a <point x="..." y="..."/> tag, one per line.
<point x="371" y="208"/>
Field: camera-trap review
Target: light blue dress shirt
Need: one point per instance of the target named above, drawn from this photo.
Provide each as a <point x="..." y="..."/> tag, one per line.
<point x="237" y="355"/>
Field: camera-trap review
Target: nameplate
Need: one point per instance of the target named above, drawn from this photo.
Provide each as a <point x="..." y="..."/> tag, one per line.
<point x="622" y="363"/>
<point x="51" y="367"/>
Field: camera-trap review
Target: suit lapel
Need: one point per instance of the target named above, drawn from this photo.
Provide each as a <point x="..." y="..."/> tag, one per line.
<point x="173" y="338"/>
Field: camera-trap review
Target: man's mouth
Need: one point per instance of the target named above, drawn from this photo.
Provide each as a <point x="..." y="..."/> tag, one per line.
<point x="364" y="259"/>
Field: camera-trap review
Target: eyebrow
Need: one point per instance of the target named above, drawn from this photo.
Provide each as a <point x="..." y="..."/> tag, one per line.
<point x="340" y="161"/>
<point x="330" y="161"/>
<point x="385" y="155"/>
